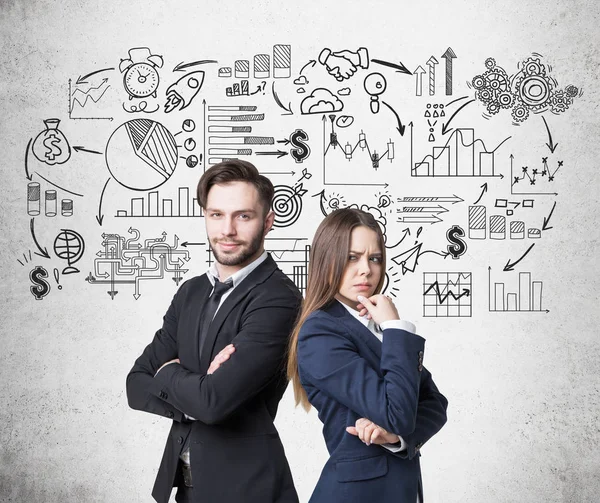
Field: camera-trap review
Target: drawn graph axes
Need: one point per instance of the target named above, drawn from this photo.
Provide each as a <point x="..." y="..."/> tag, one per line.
<point x="70" y="108"/>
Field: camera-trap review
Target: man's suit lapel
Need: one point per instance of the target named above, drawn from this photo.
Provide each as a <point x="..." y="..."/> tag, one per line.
<point x="259" y="275"/>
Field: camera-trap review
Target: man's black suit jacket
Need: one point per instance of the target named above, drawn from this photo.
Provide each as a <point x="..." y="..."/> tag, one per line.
<point x="235" y="450"/>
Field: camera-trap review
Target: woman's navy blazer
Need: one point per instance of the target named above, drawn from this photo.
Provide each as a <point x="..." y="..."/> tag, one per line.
<point x="348" y="374"/>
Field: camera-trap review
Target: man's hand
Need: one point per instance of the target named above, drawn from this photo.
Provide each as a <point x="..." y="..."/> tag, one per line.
<point x="370" y="433"/>
<point x="222" y="357"/>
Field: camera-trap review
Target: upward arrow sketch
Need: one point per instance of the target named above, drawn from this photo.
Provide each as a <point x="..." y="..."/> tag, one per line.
<point x="431" y="62"/>
<point x="448" y="56"/>
<point x="418" y="73"/>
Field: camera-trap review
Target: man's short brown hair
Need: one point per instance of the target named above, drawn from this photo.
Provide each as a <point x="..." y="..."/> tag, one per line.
<point x="236" y="170"/>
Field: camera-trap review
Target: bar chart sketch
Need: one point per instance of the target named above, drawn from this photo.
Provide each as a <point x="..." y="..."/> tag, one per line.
<point x="478" y="226"/>
<point x="230" y="132"/>
<point x="291" y="255"/>
<point x="527" y="297"/>
<point x="462" y="155"/>
<point x="447" y="294"/>
<point x="152" y="206"/>
<point x="48" y="203"/>
<point x="282" y="65"/>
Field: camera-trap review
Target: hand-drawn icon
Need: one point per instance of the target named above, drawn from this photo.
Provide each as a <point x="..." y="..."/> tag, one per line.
<point x="459" y="157"/>
<point x="282" y="61"/>
<point x="225" y="72"/>
<point x="188" y="125"/>
<point x="33" y="198"/>
<point x="51" y="145"/>
<point x="182" y="93"/>
<point x="127" y="261"/>
<point x="321" y="101"/>
<point x="431" y="62"/>
<point x="191" y="161"/>
<point x="449" y="55"/>
<point x="375" y="85"/>
<point x="287" y="109"/>
<point x="139" y="107"/>
<point x="532" y="175"/>
<point x="50" y="202"/>
<point x="69" y="246"/>
<point x="531" y="89"/>
<point x="56" y="277"/>
<point x="447" y="294"/>
<point x="300" y="150"/>
<point x="331" y="202"/>
<point x="40" y="286"/>
<point x="140" y="77"/>
<point x="348" y="150"/>
<point x="477" y="222"/>
<point x="141" y="154"/>
<point x="262" y="66"/>
<point x="153" y="206"/>
<point x="344" y="121"/>
<point x="287" y="204"/>
<point x="25" y="258"/>
<point x="301" y="81"/>
<point x="422" y="213"/>
<point x="92" y="94"/>
<point x="343" y="64"/>
<point x="385" y="201"/>
<point x="457" y="246"/>
<point x="409" y="259"/>
<point x="528" y="298"/>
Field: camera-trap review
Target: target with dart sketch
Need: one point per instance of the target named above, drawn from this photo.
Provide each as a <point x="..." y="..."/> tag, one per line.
<point x="287" y="204"/>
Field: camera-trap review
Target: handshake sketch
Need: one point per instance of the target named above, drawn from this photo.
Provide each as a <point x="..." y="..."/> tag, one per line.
<point x="343" y="64"/>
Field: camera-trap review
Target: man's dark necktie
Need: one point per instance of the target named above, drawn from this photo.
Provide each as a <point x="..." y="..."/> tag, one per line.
<point x="207" y="316"/>
<point x="211" y="308"/>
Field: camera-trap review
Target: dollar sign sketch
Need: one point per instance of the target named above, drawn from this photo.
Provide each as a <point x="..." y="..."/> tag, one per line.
<point x="302" y="150"/>
<point x="52" y="144"/>
<point x="457" y="246"/>
<point x="41" y="287"/>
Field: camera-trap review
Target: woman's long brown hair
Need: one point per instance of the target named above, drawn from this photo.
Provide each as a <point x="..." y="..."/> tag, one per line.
<point x="328" y="259"/>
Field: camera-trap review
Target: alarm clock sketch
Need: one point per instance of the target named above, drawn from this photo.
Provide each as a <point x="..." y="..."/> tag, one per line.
<point x="140" y="74"/>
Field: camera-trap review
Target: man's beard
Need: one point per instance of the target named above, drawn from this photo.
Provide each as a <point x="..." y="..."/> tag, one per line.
<point x="241" y="256"/>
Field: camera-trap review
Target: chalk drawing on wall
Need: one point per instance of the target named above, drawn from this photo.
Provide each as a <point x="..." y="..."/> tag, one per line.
<point x="524" y="297"/>
<point x="126" y="261"/>
<point x="447" y="294"/>
<point x="141" y="154"/>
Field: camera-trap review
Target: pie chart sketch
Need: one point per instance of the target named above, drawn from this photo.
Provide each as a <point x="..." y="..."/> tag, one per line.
<point x="141" y="154"/>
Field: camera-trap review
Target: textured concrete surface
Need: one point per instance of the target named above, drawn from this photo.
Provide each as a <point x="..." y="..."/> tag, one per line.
<point x="523" y="387"/>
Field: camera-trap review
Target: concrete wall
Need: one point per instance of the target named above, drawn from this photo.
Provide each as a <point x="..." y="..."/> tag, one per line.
<point x="522" y="385"/>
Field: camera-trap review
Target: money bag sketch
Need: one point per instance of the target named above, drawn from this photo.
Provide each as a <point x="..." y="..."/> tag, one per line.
<point x="51" y="145"/>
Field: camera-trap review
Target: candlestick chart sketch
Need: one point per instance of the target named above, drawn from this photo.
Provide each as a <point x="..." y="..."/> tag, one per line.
<point x="408" y="140"/>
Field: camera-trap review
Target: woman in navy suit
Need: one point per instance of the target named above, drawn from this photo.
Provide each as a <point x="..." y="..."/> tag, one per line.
<point x="361" y="367"/>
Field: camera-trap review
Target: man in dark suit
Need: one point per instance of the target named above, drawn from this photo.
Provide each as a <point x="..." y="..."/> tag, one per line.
<point x="223" y="446"/>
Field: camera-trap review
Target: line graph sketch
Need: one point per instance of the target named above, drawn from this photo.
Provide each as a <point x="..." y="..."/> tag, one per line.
<point x="447" y="294"/>
<point x="458" y="157"/>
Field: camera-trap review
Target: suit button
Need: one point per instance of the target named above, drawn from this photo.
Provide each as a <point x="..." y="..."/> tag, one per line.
<point x="180" y="440"/>
<point x="170" y="414"/>
<point x="163" y="395"/>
